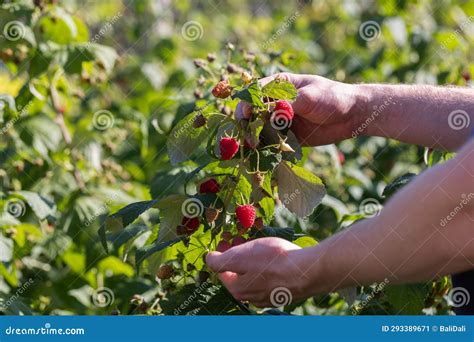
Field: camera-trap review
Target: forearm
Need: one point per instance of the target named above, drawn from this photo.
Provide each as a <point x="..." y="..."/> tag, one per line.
<point x="407" y="242"/>
<point x="417" y="114"/>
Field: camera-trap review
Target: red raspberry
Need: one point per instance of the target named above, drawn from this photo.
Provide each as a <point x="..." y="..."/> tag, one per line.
<point x="223" y="246"/>
<point x="283" y="109"/>
<point x="209" y="187"/>
<point x="191" y="224"/>
<point x="238" y="240"/>
<point x="245" y="215"/>
<point x="228" y="148"/>
<point x="222" y="89"/>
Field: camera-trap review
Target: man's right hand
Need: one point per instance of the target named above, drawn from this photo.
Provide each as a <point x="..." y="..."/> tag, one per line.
<point x="326" y="111"/>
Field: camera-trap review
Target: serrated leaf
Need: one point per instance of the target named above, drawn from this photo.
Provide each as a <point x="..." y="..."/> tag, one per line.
<point x="299" y="190"/>
<point x="85" y="52"/>
<point x="252" y="94"/>
<point x="280" y="89"/>
<point x="122" y="218"/>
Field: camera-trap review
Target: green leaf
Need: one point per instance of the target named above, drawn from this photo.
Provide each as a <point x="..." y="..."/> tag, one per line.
<point x="122" y="218"/>
<point x="86" y="52"/>
<point x="280" y="89"/>
<point x="252" y="94"/>
<point x="171" y="215"/>
<point x="267" y="160"/>
<point x="144" y="252"/>
<point x="407" y="299"/>
<point x="42" y="207"/>
<point x="115" y="266"/>
<point x="299" y="190"/>
<point x="305" y="241"/>
<point x="56" y="26"/>
<point x="398" y="183"/>
<point x="185" y="140"/>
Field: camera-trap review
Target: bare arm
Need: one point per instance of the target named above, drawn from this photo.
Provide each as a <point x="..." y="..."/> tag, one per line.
<point x="412" y="240"/>
<point x="438" y="117"/>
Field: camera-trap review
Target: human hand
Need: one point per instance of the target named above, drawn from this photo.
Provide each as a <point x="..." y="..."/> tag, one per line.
<point x="266" y="272"/>
<point x="326" y="111"/>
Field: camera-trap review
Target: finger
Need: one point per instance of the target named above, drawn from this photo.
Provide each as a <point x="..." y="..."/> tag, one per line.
<point x="231" y="260"/>
<point x="243" y="110"/>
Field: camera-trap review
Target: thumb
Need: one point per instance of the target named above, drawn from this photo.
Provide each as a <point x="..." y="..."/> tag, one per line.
<point x="227" y="261"/>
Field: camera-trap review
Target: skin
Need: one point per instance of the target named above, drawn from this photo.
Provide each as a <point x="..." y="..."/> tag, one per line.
<point x="411" y="240"/>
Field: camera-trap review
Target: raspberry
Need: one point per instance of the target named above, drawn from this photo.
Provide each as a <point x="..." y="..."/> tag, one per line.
<point x="259" y="223"/>
<point x="223" y="246"/>
<point x="209" y="187"/>
<point x="199" y="121"/>
<point x="212" y="214"/>
<point x="238" y="240"/>
<point x="165" y="272"/>
<point x="228" y="148"/>
<point x="203" y="276"/>
<point x="227" y="236"/>
<point x="222" y="89"/>
<point x="245" y="215"/>
<point x="283" y="109"/>
<point x="191" y="224"/>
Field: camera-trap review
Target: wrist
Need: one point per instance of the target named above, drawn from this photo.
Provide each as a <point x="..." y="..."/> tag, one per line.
<point x="367" y="109"/>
